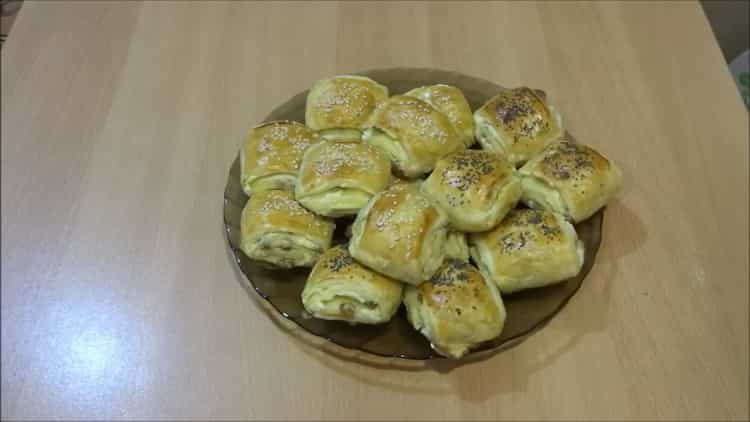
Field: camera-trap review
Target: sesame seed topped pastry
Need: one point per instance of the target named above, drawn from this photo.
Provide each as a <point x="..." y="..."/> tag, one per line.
<point x="277" y="230"/>
<point x="271" y="155"/>
<point x="340" y="107"/>
<point x="570" y="179"/>
<point x="338" y="177"/>
<point x="450" y="101"/>
<point x="474" y="188"/>
<point x="518" y="123"/>
<point x="530" y="248"/>
<point x="339" y="288"/>
<point x="413" y="134"/>
<point x="400" y="234"/>
<point x="456" y="310"/>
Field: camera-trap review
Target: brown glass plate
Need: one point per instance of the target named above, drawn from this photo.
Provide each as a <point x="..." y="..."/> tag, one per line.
<point x="280" y="289"/>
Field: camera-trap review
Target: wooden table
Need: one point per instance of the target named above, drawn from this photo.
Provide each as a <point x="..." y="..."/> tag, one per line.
<point x="119" y="122"/>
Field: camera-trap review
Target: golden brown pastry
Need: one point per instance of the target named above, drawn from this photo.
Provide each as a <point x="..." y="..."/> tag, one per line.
<point x="456" y="246"/>
<point x="456" y="310"/>
<point x="530" y="248"/>
<point x="338" y="177"/>
<point x="339" y="288"/>
<point x="571" y="179"/>
<point x="400" y="234"/>
<point x="271" y="155"/>
<point x="450" y="101"/>
<point x="474" y="188"/>
<point x="341" y="106"/>
<point x="413" y="134"/>
<point x="277" y="230"/>
<point x="518" y="123"/>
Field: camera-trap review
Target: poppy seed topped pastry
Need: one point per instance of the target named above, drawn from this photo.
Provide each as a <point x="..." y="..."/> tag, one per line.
<point x="474" y="188"/>
<point x="570" y="179"/>
<point x="456" y="310"/>
<point x="339" y="288"/>
<point x="530" y="248"/>
<point x="518" y="123"/>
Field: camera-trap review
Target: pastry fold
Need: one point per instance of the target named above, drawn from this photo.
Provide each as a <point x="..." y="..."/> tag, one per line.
<point x="277" y="230"/>
<point x="338" y="177"/>
<point x="474" y="188"/>
<point x="518" y="123"/>
<point x="413" y="134"/>
<point x="271" y="154"/>
<point x="450" y="101"/>
<point x="530" y="248"/>
<point x="340" y="107"/>
<point x="456" y="310"/>
<point x="400" y="234"/>
<point x="571" y="179"/>
<point x="339" y="288"/>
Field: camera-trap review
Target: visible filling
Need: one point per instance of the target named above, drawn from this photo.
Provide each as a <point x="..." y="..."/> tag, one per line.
<point x="284" y="250"/>
<point x="335" y="304"/>
<point x="270" y="182"/>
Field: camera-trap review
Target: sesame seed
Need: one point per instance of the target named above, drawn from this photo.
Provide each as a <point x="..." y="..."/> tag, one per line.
<point x="337" y="156"/>
<point x="346" y="102"/>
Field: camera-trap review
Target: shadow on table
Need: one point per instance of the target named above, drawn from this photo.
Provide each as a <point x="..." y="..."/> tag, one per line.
<point x="468" y="378"/>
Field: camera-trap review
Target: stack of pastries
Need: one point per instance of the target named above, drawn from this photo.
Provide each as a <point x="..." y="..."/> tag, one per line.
<point x="453" y="209"/>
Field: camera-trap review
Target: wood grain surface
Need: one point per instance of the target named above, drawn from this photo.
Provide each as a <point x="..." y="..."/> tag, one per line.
<point x="120" y="121"/>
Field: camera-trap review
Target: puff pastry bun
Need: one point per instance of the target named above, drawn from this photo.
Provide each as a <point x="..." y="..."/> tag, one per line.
<point x="413" y="134"/>
<point x="277" y="230"/>
<point x="338" y="177"/>
<point x="271" y="155"/>
<point x="474" y="188"/>
<point x="400" y="234"/>
<point x="341" y="106"/>
<point x="518" y="123"/>
<point x="456" y="310"/>
<point x="571" y="179"/>
<point x="450" y="101"/>
<point x="530" y="248"/>
<point x="339" y="288"/>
